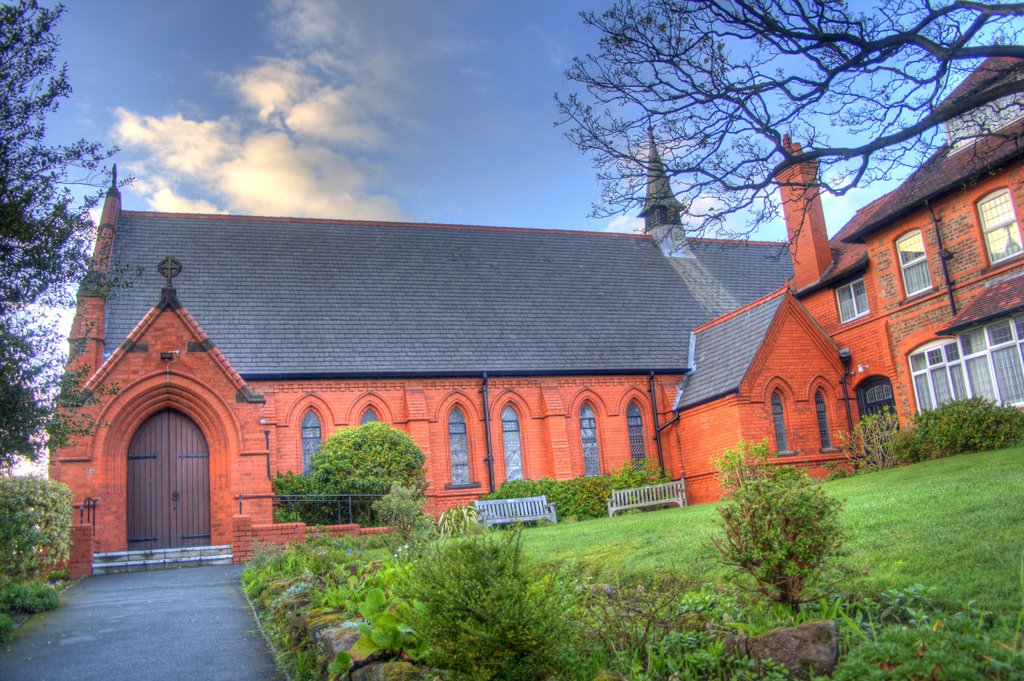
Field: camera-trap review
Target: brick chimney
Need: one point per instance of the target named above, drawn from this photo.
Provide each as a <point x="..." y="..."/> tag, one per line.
<point x="805" y="220"/>
<point x="87" y="329"/>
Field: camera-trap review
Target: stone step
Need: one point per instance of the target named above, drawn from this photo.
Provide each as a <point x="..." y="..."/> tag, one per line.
<point x="160" y="559"/>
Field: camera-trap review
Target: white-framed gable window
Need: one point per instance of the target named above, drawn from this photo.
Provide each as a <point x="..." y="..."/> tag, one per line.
<point x="999" y="223"/>
<point x="984" y="362"/>
<point x="987" y="119"/>
<point x="913" y="263"/>
<point x="853" y="300"/>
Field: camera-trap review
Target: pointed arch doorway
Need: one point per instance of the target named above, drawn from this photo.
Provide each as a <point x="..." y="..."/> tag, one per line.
<point x="168" y="484"/>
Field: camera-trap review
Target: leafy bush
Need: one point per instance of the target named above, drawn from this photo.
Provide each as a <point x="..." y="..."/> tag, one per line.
<point x="957" y="649"/>
<point x="458" y="522"/>
<point x="7" y="627"/>
<point x="35" y="533"/>
<point x="585" y="497"/>
<point x="30" y="597"/>
<point x="484" y="613"/>
<point x="874" y="441"/>
<point x="401" y="509"/>
<point x="962" y="426"/>
<point x="780" y="528"/>
<point x="367" y="460"/>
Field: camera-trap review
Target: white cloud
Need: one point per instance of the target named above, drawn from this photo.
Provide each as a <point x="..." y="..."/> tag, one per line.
<point x="625" y="224"/>
<point x="184" y="146"/>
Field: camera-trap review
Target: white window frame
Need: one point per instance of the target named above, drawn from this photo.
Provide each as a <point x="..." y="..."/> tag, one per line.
<point x="984" y="361"/>
<point x="857" y="312"/>
<point x="921" y="261"/>
<point x="1011" y="225"/>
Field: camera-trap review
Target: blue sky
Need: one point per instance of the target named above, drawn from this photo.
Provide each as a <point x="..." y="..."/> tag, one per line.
<point x="390" y="109"/>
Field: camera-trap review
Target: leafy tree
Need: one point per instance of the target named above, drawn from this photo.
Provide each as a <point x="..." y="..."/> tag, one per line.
<point x="720" y="83"/>
<point x="44" y="233"/>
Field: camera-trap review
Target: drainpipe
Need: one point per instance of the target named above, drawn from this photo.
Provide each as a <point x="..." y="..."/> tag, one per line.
<point x="489" y="459"/>
<point x="846" y="357"/>
<point x="945" y="255"/>
<point x="657" y="427"/>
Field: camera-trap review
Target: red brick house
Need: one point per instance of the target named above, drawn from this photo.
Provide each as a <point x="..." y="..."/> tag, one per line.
<point x="511" y="353"/>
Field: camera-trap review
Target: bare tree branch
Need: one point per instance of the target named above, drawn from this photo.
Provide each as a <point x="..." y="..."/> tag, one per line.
<point x="722" y="82"/>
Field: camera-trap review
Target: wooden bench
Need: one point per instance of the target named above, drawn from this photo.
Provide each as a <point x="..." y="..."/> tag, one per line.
<point x="652" y="495"/>
<point x="504" y="511"/>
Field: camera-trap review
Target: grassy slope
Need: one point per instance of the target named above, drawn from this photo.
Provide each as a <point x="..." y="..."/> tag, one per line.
<point x="956" y="524"/>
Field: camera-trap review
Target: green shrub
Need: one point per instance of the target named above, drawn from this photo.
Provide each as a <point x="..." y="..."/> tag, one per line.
<point x="779" y="527"/>
<point x="580" y="498"/>
<point x="6" y="627"/>
<point x="484" y="613"/>
<point x="873" y="441"/>
<point x="401" y="509"/>
<point x="367" y="460"/>
<point x="30" y="598"/>
<point x="966" y="426"/>
<point x="35" y="527"/>
<point x="958" y="649"/>
<point x="458" y="522"/>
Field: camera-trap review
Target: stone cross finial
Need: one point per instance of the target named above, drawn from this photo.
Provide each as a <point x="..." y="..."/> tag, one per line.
<point x="169" y="268"/>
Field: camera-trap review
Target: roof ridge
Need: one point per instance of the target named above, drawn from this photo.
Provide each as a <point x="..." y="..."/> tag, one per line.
<point x="381" y="223"/>
<point x="740" y="310"/>
<point x="431" y="225"/>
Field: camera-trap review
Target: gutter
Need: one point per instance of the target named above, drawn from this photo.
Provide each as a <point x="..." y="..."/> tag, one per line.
<point x="510" y="373"/>
<point x="489" y="459"/>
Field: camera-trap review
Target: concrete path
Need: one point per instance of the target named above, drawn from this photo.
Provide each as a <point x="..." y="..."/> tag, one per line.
<point x="190" y="623"/>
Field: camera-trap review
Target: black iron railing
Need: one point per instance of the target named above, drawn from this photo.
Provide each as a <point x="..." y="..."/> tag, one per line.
<point x="87" y="511"/>
<point x="318" y="509"/>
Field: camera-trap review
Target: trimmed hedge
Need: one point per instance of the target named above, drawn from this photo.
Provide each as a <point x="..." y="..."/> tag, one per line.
<point x="964" y="426"/>
<point x="35" y="527"/>
<point x="580" y="498"/>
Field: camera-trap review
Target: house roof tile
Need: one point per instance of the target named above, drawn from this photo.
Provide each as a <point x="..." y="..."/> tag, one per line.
<point x="292" y="297"/>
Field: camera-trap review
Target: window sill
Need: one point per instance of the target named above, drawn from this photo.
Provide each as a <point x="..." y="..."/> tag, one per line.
<point x="829" y="450"/>
<point x="919" y="296"/>
<point x="858" y="318"/>
<point x="997" y="266"/>
<point x="787" y="452"/>
<point x="472" y="485"/>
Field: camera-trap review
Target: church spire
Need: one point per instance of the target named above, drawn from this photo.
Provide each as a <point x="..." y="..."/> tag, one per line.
<point x="662" y="211"/>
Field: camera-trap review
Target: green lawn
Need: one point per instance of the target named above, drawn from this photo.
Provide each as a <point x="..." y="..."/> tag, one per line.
<point x="956" y="524"/>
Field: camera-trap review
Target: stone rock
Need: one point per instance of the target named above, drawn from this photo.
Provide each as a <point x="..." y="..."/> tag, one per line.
<point x="338" y="639"/>
<point x="810" y="647"/>
<point x="394" y="670"/>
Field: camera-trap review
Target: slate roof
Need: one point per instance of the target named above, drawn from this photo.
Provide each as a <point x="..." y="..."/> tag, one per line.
<point x="724" y="350"/>
<point x="998" y="299"/>
<point x="292" y="297"/>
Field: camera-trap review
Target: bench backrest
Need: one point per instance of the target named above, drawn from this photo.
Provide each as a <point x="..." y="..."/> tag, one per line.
<point x="648" y="494"/>
<point x="513" y="508"/>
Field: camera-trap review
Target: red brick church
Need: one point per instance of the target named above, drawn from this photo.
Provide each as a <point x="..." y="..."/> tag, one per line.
<point x="509" y="353"/>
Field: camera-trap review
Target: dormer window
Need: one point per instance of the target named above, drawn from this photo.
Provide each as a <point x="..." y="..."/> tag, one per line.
<point x="987" y="119"/>
<point x="999" y="223"/>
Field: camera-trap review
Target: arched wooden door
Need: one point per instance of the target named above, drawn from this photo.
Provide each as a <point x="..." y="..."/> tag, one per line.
<point x="168" y="484"/>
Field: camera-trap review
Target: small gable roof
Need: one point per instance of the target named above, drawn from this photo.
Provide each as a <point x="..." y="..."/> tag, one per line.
<point x="997" y="299"/>
<point x="724" y="350"/>
<point x="320" y="298"/>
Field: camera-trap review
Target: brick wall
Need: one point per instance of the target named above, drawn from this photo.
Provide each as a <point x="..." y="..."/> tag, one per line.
<point x="898" y="324"/>
<point x="245" y="535"/>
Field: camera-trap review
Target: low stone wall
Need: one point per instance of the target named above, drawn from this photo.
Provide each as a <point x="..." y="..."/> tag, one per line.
<point x="244" y="533"/>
